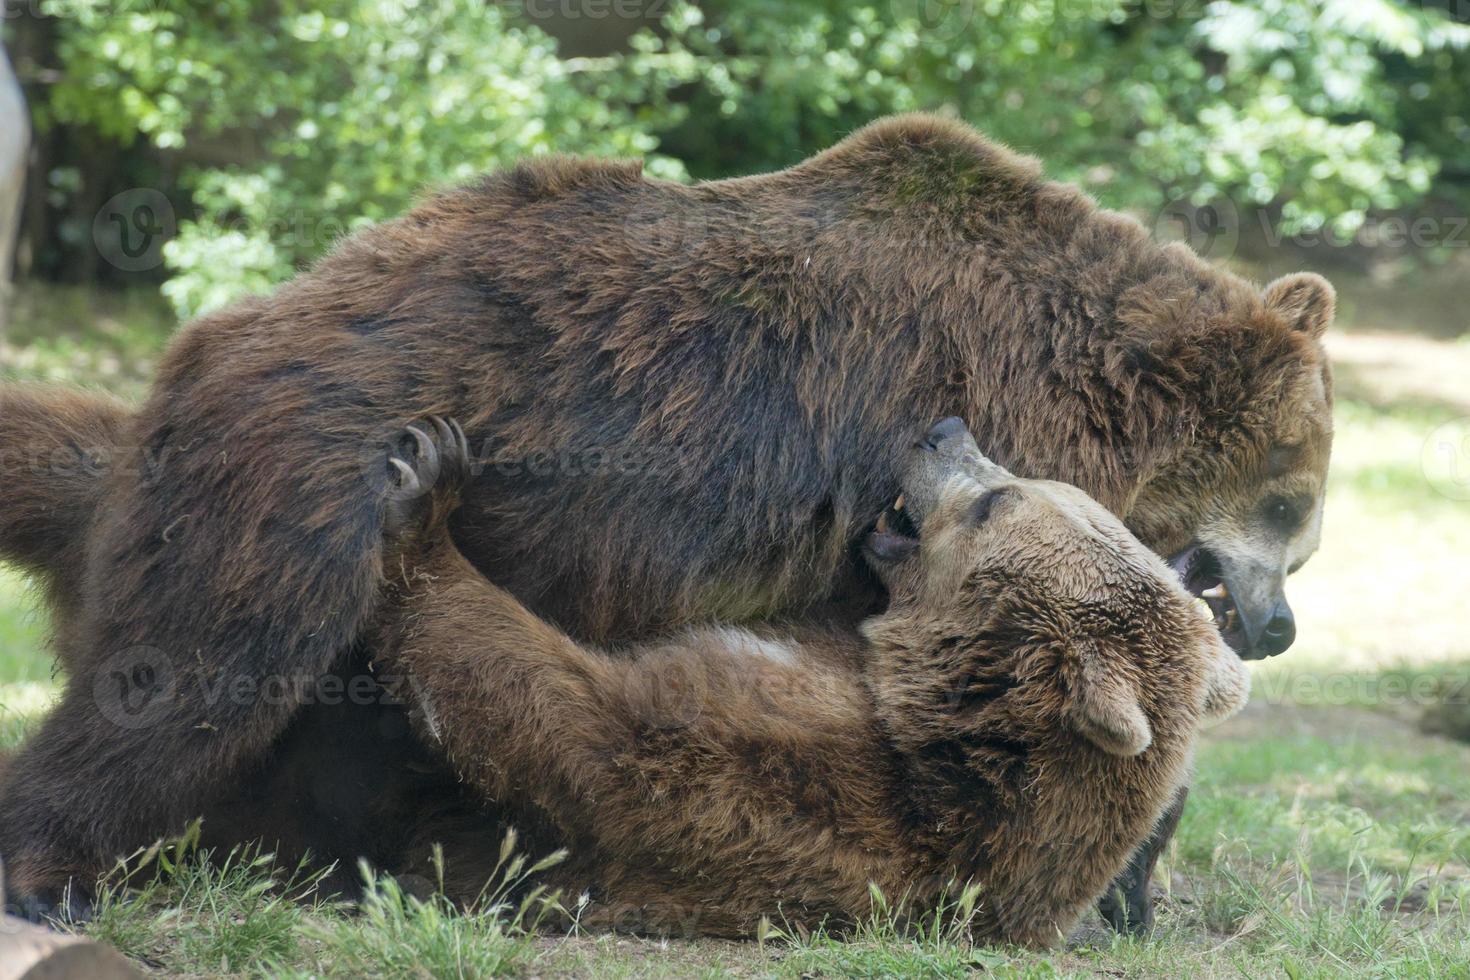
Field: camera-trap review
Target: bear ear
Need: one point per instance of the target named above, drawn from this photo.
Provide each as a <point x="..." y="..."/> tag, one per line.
<point x="1103" y="704"/>
<point x="1305" y="300"/>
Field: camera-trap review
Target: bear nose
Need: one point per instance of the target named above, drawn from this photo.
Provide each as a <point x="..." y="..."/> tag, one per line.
<point x="942" y="430"/>
<point x="1280" y="631"/>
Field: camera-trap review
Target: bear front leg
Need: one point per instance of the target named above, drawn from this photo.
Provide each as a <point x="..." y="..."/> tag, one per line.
<point x="1127" y="905"/>
<point x="520" y="710"/>
<point x="651" y="763"/>
<point x="510" y="699"/>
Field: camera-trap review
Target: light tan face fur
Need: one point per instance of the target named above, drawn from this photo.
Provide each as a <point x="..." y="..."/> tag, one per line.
<point x="975" y="519"/>
<point x="1237" y="531"/>
<point x="974" y="515"/>
<point x="1262" y="536"/>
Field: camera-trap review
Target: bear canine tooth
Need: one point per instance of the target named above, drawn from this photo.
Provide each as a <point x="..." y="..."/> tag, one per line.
<point x="882" y="527"/>
<point x="1218" y="592"/>
<point x="898" y="504"/>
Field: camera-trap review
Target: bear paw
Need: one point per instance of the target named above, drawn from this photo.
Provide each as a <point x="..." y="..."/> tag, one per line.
<point x="429" y="466"/>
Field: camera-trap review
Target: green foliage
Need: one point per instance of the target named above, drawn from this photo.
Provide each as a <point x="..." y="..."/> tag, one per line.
<point x="222" y="913"/>
<point x="93" y="338"/>
<point x="1283" y="102"/>
<point x="296" y="122"/>
<point x="396" y="934"/>
<point x="344" y="111"/>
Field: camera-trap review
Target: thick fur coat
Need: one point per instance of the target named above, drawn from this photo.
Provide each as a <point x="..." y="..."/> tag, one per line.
<point x="1018" y="718"/>
<point x="688" y="395"/>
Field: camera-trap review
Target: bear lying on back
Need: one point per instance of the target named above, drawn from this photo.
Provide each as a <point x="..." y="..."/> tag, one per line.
<point x="1018" y="717"/>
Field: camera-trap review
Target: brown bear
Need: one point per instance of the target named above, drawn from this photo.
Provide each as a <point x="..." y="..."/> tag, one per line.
<point x="1017" y="718"/>
<point x="689" y="396"/>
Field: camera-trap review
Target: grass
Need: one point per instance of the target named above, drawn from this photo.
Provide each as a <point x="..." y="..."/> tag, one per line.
<point x="108" y="340"/>
<point x="1326" y="836"/>
<point x="220" y="915"/>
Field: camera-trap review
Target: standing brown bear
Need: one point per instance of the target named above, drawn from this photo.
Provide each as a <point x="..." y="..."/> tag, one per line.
<point x="1017" y="718"/>
<point x="690" y="395"/>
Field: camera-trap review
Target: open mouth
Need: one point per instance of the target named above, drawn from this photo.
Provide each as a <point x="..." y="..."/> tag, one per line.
<point x="896" y="535"/>
<point x="1199" y="570"/>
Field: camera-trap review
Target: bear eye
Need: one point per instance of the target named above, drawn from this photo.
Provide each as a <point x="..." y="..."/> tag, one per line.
<point x="1283" y="514"/>
<point x="981" y="508"/>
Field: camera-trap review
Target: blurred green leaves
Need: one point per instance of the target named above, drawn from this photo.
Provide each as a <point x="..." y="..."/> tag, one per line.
<point x="1292" y="103"/>
<point x="297" y="122"/>
<point x="340" y="112"/>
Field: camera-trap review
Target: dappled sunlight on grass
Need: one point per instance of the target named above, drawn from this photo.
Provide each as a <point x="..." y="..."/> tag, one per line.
<point x="22" y="705"/>
<point x="1386" y="588"/>
<point x="1344" y="783"/>
<point x="28" y="699"/>
<point x="22" y="631"/>
<point x="27" y="688"/>
<point x="95" y="338"/>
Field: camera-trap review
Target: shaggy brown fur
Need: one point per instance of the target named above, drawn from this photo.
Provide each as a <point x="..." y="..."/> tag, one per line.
<point x="1018" y="717"/>
<point x="691" y="396"/>
<point x="55" y="446"/>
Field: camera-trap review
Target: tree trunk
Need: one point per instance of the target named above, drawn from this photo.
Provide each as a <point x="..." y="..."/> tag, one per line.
<point x="15" y="133"/>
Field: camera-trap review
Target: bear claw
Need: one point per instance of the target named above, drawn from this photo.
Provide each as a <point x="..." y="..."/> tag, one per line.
<point x="434" y="466"/>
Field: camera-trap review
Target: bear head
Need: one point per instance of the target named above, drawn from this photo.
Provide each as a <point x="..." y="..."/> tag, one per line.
<point x="1041" y="674"/>
<point x="1242" y="509"/>
<point x="976" y="559"/>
